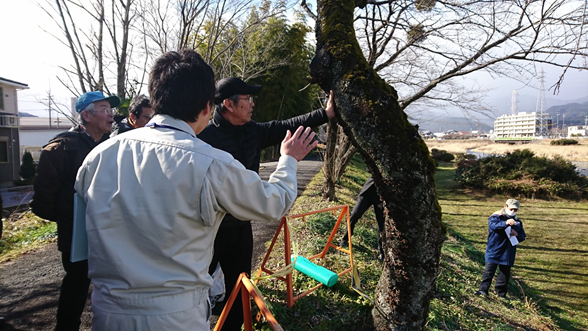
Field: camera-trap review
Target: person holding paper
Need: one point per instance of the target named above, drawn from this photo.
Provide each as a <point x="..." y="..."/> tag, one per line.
<point x="54" y="195"/>
<point x="501" y="248"/>
<point x="156" y="197"/>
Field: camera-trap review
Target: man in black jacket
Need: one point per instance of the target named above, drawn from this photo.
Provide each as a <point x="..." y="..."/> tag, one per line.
<point x="54" y="195"/>
<point x="232" y="130"/>
<point x="140" y="112"/>
<point x="368" y="196"/>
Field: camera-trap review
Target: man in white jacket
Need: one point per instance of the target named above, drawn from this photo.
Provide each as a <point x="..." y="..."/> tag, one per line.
<point x="156" y="196"/>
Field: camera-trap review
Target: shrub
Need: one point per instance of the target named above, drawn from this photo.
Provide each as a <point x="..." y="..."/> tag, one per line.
<point x="28" y="170"/>
<point x="440" y="155"/>
<point x="461" y="156"/>
<point x="564" y="142"/>
<point x="522" y="173"/>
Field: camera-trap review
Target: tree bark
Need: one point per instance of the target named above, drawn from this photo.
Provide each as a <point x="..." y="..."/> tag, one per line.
<point x="346" y="153"/>
<point x="329" y="165"/>
<point x="399" y="161"/>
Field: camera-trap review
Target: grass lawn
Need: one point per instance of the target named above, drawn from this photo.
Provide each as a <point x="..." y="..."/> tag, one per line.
<point x="549" y="289"/>
<point x="551" y="267"/>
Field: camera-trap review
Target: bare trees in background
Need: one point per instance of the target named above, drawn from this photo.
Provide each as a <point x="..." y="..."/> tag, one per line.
<point x="421" y="48"/>
<point x="426" y="49"/>
<point x="113" y="42"/>
<point x="98" y="34"/>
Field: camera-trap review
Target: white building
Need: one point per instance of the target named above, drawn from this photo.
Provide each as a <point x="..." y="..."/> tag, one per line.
<point x="577" y="130"/>
<point x="524" y="125"/>
<point x="35" y="132"/>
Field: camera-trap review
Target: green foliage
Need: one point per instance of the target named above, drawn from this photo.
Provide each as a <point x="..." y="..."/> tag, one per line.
<point x="28" y="170"/>
<point x="24" y="233"/>
<point x="440" y="155"/>
<point x="321" y="224"/>
<point x="266" y="50"/>
<point x="462" y="156"/>
<point x="522" y="173"/>
<point x="123" y="108"/>
<point x="564" y="142"/>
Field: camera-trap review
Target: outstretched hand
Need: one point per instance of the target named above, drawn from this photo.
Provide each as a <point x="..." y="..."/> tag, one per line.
<point x="299" y="144"/>
<point x="330" y="110"/>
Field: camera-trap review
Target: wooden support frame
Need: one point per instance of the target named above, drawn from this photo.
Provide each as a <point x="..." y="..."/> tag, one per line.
<point x="247" y="292"/>
<point x="344" y="214"/>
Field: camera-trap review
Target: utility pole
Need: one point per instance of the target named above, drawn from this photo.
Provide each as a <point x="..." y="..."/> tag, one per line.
<point x="49" y="100"/>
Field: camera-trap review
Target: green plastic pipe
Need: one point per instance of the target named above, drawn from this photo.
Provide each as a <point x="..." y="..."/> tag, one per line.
<point x="316" y="272"/>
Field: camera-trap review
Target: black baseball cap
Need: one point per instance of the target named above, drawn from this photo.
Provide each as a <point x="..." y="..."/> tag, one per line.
<point x="227" y="87"/>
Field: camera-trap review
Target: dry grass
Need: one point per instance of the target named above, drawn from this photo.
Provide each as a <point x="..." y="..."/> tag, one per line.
<point x="540" y="148"/>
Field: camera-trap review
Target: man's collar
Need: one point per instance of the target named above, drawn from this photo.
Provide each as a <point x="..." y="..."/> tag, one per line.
<point x="173" y="122"/>
<point x="220" y="121"/>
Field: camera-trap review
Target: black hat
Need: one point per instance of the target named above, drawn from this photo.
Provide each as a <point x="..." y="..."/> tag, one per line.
<point x="227" y="87"/>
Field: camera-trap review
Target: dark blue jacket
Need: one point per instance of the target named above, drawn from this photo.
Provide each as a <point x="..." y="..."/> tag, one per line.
<point x="499" y="250"/>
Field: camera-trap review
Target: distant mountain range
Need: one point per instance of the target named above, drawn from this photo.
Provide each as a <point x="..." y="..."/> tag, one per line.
<point x="575" y="112"/>
<point x="23" y="114"/>
<point x="570" y="114"/>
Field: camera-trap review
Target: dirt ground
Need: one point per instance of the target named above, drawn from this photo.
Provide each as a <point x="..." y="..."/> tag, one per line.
<point x="29" y="286"/>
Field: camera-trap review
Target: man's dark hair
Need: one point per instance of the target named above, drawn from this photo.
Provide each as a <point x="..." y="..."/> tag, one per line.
<point x="137" y="104"/>
<point x="181" y="84"/>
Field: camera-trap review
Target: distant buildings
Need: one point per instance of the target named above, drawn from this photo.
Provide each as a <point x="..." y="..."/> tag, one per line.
<point x="522" y="126"/>
<point x="578" y="131"/>
<point x="35" y="132"/>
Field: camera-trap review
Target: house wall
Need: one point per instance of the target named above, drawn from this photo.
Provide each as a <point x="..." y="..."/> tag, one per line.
<point x="9" y="170"/>
<point x="10" y="100"/>
<point x="9" y="138"/>
<point x="577" y="130"/>
<point x="33" y="141"/>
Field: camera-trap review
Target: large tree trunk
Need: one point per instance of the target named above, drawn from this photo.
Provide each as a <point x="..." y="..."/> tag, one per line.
<point x="399" y="161"/>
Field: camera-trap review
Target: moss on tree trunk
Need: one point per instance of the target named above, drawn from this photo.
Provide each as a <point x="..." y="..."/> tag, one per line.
<point x="399" y="161"/>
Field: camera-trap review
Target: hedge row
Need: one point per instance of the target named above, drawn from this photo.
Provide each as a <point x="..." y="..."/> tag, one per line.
<point x="524" y="174"/>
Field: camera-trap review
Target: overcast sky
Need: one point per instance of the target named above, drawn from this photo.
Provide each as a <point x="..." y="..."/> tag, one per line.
<point x="31" y="56"/>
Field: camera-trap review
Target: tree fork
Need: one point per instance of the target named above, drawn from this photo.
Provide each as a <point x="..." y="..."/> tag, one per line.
<point x="399" y="161"/>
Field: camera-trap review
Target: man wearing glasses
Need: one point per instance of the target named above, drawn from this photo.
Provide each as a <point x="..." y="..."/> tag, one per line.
<point x="54" y="195"/>
<point x="140" y="112"/>
<point x="232" y="130"/>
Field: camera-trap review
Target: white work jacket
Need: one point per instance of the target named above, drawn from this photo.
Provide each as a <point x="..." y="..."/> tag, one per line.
<point x="155" y="198"/>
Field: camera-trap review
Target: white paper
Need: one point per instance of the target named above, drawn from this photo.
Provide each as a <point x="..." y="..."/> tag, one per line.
<point x="513" y="239"/>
